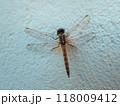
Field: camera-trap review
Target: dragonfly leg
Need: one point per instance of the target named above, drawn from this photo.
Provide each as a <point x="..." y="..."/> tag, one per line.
<point x="56" y="38"/>
<point x="72" y="45"/>
<point x="55" y="47"/>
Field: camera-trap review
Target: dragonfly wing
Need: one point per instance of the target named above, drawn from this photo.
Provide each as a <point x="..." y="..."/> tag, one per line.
<point x="79" y="41"/>
<point x="42" y="47"/>
<point x="83" y="23"/>
<point x="40" y="35"/>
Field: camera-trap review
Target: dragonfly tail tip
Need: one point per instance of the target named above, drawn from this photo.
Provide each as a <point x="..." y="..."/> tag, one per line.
<point x="68" y="75"/>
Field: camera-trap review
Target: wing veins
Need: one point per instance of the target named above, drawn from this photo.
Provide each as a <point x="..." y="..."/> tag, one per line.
<point x="37" y="34"/>
<point x="78" y="25"/>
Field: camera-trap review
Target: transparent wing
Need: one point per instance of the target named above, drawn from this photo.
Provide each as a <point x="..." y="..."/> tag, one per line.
<point x="40" y="35"/>
<point x="84" y="22"/>
<point x="77" y="42"/>
<point x="74" y="45"/>
<point x="43" y="48"/>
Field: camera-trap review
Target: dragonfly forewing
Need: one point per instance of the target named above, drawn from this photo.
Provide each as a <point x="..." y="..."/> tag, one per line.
<point x="83" y="23"/>
<point x="42" y="36"/>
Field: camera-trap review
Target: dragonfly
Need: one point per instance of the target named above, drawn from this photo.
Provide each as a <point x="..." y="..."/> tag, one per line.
<point x="61" y="39"/>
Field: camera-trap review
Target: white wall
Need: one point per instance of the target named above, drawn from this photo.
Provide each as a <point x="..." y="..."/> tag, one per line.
<point x="98" y="65"/>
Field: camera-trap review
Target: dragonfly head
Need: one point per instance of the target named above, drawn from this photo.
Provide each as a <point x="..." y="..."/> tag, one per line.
<point x="60" y="31"/>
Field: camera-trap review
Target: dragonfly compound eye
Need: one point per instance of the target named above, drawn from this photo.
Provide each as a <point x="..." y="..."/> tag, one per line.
<point x="60" y="31"/>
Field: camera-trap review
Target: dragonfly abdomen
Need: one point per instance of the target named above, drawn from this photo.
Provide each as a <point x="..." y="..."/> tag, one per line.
<point x="66" y="61"/>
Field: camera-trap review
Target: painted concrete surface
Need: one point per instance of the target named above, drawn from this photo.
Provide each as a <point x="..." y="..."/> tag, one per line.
<point x="97" y="65"/>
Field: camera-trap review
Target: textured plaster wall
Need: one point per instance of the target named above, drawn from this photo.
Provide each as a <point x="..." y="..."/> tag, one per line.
<point x="99" y="59"/>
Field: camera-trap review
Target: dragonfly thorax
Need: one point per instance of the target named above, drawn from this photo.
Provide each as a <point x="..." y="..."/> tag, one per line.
<point x="62" y="39"/>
